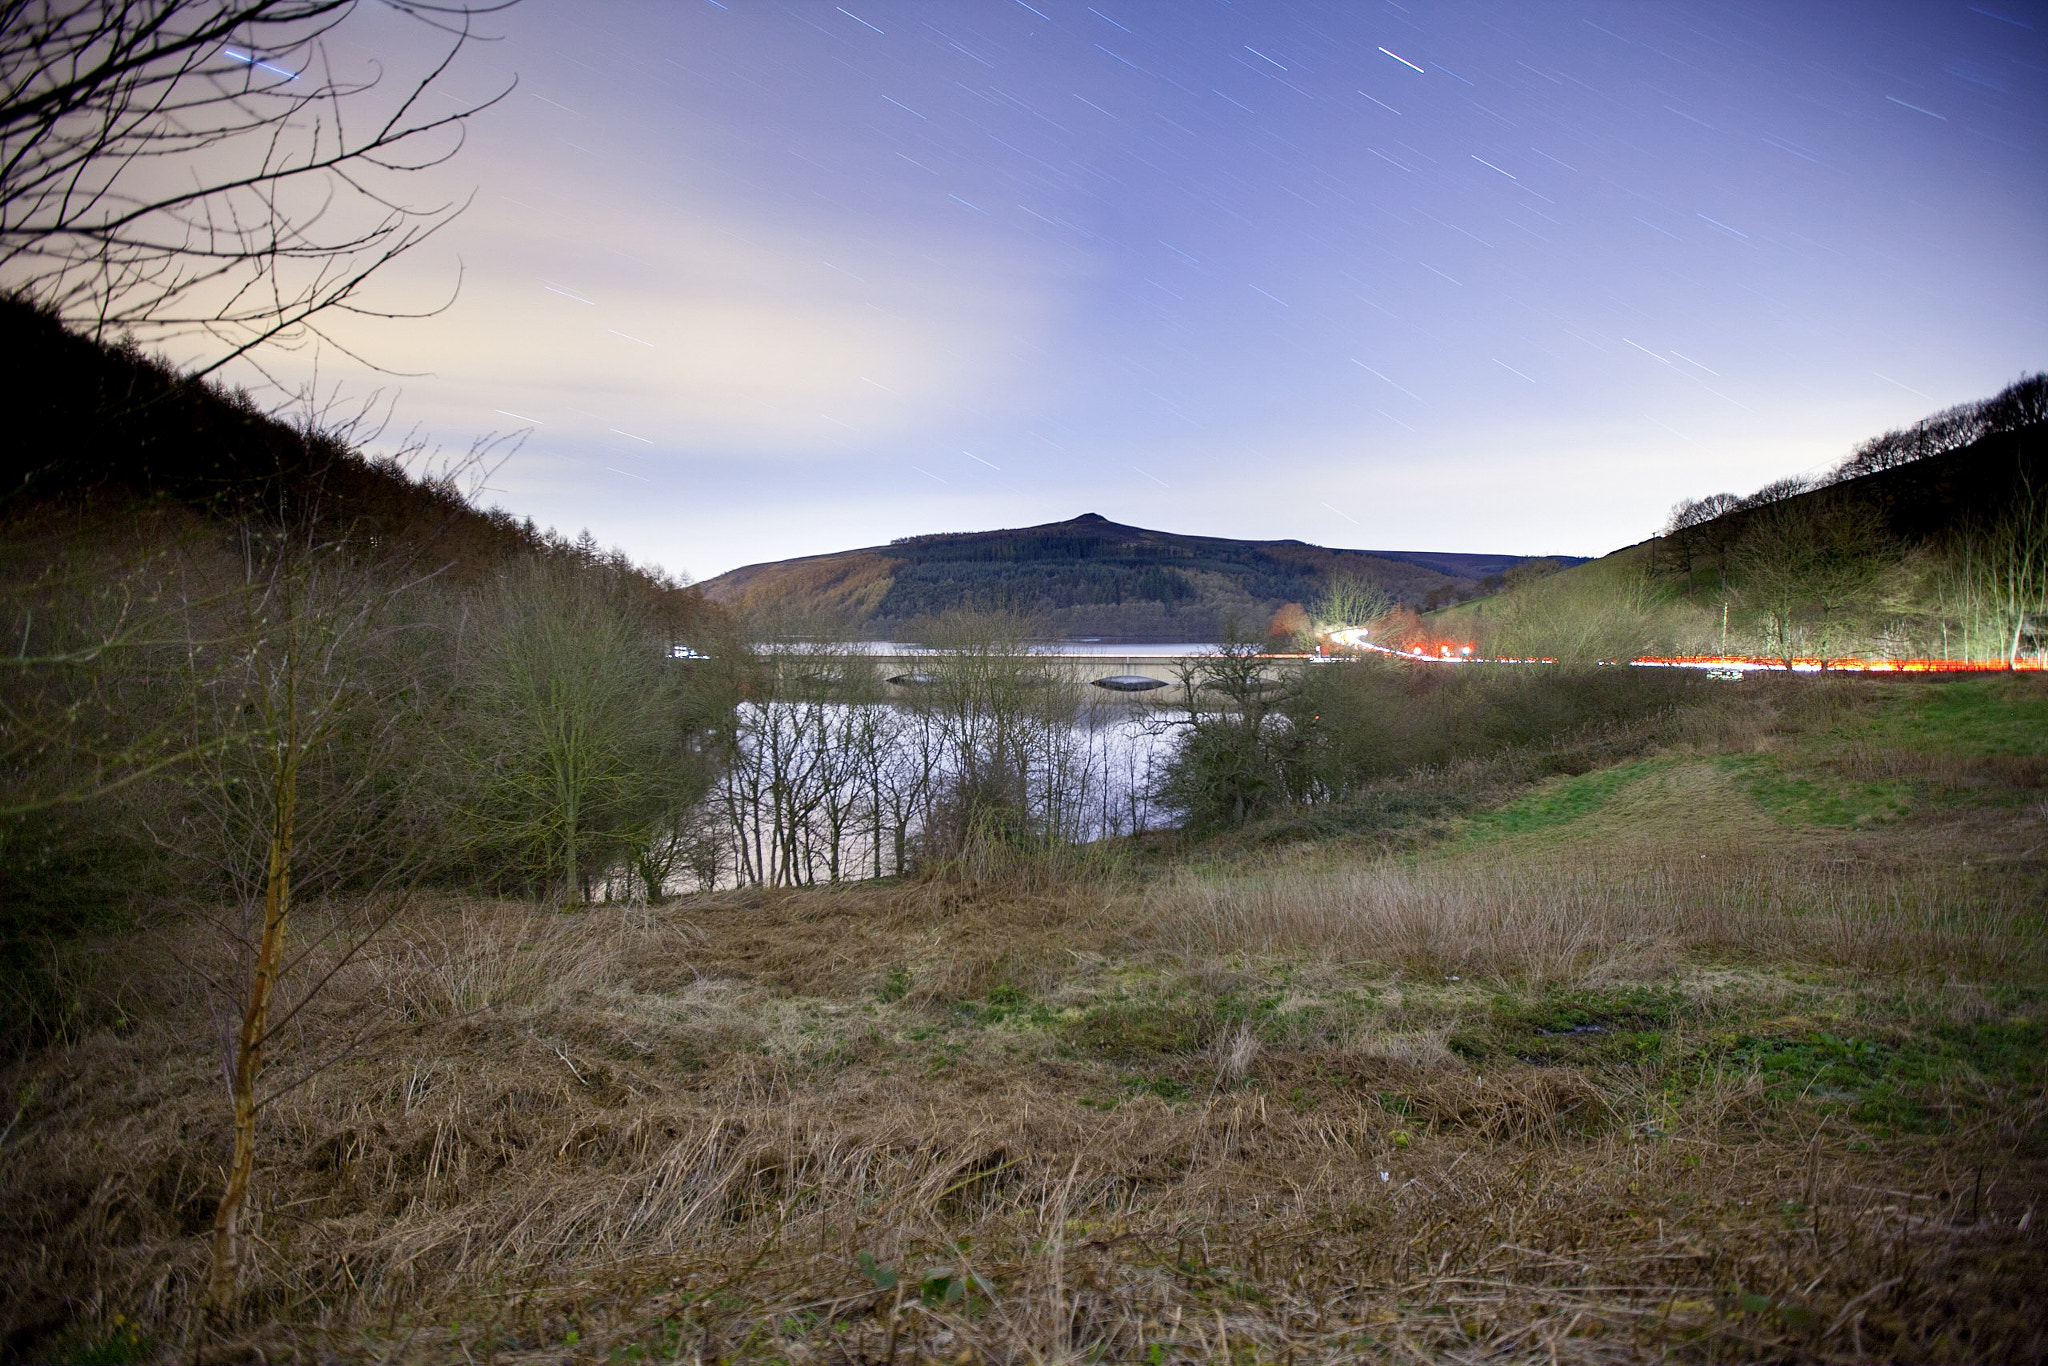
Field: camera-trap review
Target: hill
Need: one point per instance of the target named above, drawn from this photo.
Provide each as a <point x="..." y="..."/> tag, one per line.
<point x="1088" y="576"/>
<point x="1942" y="556"/>
<point x="1547" y="1014"/>
<point x="105" y="436"/>
<point x="167" y="553"/>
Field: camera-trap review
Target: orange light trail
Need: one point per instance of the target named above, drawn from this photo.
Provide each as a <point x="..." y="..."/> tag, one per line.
<point x="1465" y="652"/>
<point x="1846" y="665"/>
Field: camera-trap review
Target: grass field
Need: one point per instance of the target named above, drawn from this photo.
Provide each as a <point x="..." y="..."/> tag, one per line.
<point x="1729" y="1046"/>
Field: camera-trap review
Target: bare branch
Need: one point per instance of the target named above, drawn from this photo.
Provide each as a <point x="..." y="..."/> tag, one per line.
<point x="181" y="170"/>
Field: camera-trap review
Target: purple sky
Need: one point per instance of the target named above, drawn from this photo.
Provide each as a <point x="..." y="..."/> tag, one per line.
<point x="773" y="279"/>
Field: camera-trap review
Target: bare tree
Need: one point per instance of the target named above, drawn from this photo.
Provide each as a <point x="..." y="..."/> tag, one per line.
<point x="579" y="722"/>
<point x="2002" y="562"/>
<point x="1805" y="568"/>
<point x="76" y="613"/>
<point x="86" y="729"/>
<point x="1777" y="491"/>
<point x="1002" y="708"/>
<point x="300" y="790"/>
<point x="1351" y="600"/>
<point x="905" y="777"/>
<point x="202" y="170"/>
<point x="1227" y="768"/>
<point x="784" y="773"/>
<point x="2019" y="405"/>
<point x="1688" y="534"/>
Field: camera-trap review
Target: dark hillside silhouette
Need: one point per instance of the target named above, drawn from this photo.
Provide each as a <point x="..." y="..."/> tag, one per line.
<point x="109" y="431"/>
<point x="169" y="553"/>
<point x="1936" y="553"/>
<point x="1090" y="575"/>
<point x="1915" y="503"/>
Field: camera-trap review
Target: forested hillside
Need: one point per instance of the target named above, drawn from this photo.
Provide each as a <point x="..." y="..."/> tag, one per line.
<point x="1089" y="576"/>
<point x="113" y="430"/>
<point x="239" y="648"/>
<point x="1929" y="542"/>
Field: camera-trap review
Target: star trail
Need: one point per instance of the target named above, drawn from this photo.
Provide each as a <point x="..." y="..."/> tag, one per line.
<point x="1502" y="278"/>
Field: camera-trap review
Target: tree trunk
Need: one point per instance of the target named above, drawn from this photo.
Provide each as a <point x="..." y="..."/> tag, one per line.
<point x="567" y="786"/>
<point x="571" y="884"/>
<point x="277" y="898"/>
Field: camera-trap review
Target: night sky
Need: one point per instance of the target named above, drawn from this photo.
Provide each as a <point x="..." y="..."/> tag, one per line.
<point x="777" y="279"/>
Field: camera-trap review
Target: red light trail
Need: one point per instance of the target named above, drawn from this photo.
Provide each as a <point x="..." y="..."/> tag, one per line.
<point x="1465" y="652"/>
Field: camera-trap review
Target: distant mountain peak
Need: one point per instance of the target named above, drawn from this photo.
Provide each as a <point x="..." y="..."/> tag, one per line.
<point x="1090" y="576"/>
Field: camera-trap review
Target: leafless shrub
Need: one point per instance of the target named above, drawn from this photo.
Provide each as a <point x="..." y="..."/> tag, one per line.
<point x="1560" y="923"/>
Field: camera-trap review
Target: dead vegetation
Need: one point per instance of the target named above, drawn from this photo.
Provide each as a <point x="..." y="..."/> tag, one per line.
<point x="1560" y="1089"/>
<point x="1682" y="871"/>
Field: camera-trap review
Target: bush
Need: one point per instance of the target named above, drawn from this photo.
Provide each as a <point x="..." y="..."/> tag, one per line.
<point x="1338" y="729"/>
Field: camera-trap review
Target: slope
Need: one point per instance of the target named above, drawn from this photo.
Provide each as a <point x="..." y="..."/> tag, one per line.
<point x="1085" y="576"/>
<point x="1899" y="561"/>
<point x="102" y="435"/>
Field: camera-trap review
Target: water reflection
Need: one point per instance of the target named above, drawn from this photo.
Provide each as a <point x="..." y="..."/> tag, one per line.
<point x="828" y="791"/>
<point x="1069" y="649"/>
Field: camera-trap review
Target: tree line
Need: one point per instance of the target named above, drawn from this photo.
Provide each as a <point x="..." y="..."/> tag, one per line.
<point x="1247" y="741"/>
<point x="192" y="710"/>
<point x="280" y="730"/>
<point x="989" y="758"/>
<point x="1927" y="540"/>
<point x="2014" y="408"/>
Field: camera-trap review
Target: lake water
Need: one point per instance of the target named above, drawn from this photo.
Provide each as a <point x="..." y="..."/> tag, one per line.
<point x="1074" y="648"/>
<point x="823" y="791"/>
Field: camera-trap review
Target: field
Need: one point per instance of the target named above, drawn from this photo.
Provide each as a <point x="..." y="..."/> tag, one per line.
<point x="1730" y="1045"/>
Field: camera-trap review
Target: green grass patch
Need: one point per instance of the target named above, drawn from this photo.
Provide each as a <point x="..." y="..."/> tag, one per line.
<point x="1872" y="1080"/>
<point x="112" y="1344"/>
<point x="1910" y="1083"/>
<point x="895" y="985"/>
<point x="2005" y="1053"/>
<point x="1894" y="1075"/>
<point x="1974" y="716"/>
<point x="1808" y="799"/>
<point x="1562" y="802"/>
<point x="1005" y="1005"/>
<point x="1128" y="1030"/>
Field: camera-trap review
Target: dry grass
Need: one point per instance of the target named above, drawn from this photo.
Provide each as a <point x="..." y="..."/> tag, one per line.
<point x="1540" y="925"/>
<point x="1867" y="761"/>
<point x="578" y="1129"/>
<point x="1676" y="866"/>
<point x="1223" y="1118"/>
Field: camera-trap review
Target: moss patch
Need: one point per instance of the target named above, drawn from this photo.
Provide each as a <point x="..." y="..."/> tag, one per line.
<point x="1898" y="1080"/>
<point x="1584" y="1028"/>
<point x="1129" y="1030"/>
